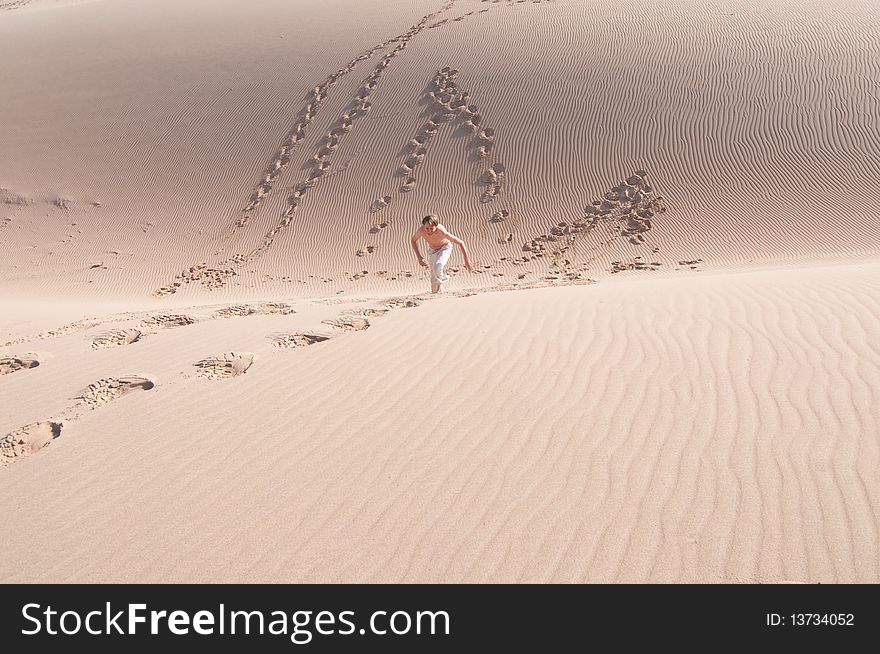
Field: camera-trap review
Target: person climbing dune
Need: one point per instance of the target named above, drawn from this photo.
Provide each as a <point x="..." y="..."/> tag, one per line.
<point x="440" y="242"/>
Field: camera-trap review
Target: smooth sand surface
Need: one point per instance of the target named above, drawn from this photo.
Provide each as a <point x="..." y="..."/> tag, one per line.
<point x="219" y="362"/>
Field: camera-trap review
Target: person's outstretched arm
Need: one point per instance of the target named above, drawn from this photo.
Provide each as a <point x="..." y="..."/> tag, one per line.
<point x="415" y="246"/>
<point x="460" y="243"/>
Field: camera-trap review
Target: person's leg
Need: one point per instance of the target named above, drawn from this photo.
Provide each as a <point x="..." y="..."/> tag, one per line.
<point x="438" y="265"/>
<point x="434" y="268"/>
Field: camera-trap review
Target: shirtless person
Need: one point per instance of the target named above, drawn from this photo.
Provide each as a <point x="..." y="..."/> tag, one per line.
<point x="439" y="248"/>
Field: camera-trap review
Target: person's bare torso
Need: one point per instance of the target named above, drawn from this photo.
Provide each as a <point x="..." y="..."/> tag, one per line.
<point x="436" y="240"/>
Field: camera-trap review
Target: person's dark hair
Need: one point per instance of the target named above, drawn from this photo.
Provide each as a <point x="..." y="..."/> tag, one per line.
<point x="434" y="220"/>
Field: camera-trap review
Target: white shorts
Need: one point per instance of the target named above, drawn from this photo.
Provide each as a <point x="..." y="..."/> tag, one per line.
<point x="437" y="261"/>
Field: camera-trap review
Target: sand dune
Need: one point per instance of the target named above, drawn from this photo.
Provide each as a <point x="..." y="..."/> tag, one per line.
<point x="219" y="361"/>
<point x="757" y="127"/>
<point x="718" y="428"/>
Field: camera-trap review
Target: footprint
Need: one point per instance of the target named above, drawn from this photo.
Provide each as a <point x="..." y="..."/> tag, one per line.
<point x="278" y="308"/>
<point x="349" y="323"/>
<point x="402" y="303"/>
<point x="28" y="440"/>
<point x="239" y="310"/>
<point x="112" y="388"/>
<point x="369" y="312"/>
<point x="287" y="341"/>
<point x="169" y="320"/>
<point x="490" y="194"/>
<point x="380" y="204"/>
<point x="224" y="366"/>
<point x="117" y="338"/>
<point x="14" y="364"/>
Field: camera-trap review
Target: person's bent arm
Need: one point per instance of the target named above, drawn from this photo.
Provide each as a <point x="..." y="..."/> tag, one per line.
<point x="415" y="246"/>
<point x="460" y="243"/>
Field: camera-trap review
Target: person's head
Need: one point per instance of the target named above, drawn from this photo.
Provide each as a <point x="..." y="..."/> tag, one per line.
<point x="430" y="223"/>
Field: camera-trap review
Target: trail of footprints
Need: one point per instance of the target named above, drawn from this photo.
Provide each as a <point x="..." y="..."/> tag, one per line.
<point x="451" y="104"/>
<point x="31" y="438"/>
<point x="218" y="276"/>
<point x="626" y="211"/>
<point x="354" y="322"/>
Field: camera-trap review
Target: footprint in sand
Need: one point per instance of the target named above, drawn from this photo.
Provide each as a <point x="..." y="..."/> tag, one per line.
<point x="224" y="366"/>
<point x="9" y="365"/>
<point x="287" y="341"/>
<point x="168" y="320"/>
<point x="490" y="194"/>
<point x="111" y="388"/>
<point x="278" y="308"/>
<point x="348" y="323"/>
<point x="28" y="440"/>
<point x="402" y="303"/>
<point x="494" y="175"/>
<point x="117" y="338"/>
<point x="368" y="312"/>
<point x="237" y="311"/>
<point x="500" y="216"/>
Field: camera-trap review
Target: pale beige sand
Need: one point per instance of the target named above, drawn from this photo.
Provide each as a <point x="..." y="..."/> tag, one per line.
<point x="715" y="428"/>
<point x="187" y="395"/>
<point x="758" y="125"/>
